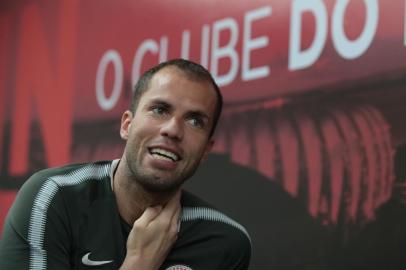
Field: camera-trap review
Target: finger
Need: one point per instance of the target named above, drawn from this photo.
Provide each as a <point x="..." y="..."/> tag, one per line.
<point x="167" y="216"/>
<point x="176" y="220"/>
<point x="149" y="215"/>
<point x="173" y="204"/>
<point x="174" y="226"/>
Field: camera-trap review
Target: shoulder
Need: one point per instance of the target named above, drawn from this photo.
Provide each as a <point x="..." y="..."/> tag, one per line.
<point x="42" y="186"/>
<point x="43" y="191"/>
<point x="195" y="208"/>
<point x="68" y="175"/>
<point x="75" y="172"/>
<point x="47" y="211"/>
<point x="211" y="223"/>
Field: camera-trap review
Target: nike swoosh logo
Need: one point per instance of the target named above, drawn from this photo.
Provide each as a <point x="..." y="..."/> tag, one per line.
<point x="89" y="262"/>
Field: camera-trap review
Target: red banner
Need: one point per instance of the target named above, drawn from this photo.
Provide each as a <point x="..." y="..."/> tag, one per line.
<point x="314" y="90"/>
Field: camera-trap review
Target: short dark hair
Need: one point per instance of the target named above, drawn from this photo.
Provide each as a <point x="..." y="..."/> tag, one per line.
<point x="193" y="70"/>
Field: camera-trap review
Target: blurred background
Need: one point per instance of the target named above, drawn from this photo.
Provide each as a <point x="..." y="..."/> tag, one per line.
<point x="310" y="153"/>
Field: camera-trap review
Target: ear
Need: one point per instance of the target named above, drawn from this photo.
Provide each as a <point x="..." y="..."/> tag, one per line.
<point x="126" y="119"/>
<point x="209" y="146"/>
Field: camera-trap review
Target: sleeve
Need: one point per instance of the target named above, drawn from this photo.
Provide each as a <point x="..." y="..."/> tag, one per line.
<point x="239" y="252"/>
<point x="243" y="257"/>
<point x="35" y="235"/>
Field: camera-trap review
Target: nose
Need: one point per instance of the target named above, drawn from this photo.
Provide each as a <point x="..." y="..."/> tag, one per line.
<point x="173" y="129"/>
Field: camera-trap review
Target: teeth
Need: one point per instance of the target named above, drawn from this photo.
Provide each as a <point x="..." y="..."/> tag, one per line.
<point x="157" y="156"/>
<point x="163" y="154"/>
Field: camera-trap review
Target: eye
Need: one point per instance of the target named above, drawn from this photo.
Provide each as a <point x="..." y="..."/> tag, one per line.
<point x="197" y="122"/>
<point x="159" y="110"/>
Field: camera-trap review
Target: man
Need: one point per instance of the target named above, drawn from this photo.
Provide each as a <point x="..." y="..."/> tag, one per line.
<point x="131" y="213"/>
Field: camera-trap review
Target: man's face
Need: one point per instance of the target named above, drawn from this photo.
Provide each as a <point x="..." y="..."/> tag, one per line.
<point x="169" y="134"/>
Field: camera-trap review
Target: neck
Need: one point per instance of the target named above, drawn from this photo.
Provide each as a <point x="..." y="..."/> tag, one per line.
<point x="132" y="199"/>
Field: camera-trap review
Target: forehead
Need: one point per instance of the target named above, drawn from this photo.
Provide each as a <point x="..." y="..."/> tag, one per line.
<point x="178" y="88"/>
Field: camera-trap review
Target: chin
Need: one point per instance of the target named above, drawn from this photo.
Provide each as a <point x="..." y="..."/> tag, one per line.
<point x="160" y="185"/>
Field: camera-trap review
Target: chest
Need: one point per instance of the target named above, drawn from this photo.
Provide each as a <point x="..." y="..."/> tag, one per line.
<point x="101" y="237"/>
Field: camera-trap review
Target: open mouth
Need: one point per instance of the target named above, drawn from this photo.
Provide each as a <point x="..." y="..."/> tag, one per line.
<point x="163" y="154"/>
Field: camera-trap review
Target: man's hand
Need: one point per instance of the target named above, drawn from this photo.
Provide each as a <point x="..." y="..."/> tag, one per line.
<point x="152" y="236"/>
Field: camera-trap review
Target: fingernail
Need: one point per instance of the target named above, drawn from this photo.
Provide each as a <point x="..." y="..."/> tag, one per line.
<point x="179" y="222"/>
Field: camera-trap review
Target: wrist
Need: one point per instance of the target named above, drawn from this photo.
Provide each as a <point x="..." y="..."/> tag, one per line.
<point x="137" y="262"/>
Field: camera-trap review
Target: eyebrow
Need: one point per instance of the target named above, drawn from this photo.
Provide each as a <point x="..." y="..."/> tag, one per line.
<point x="197" y="113"/>
<point x="160" y="102"/>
